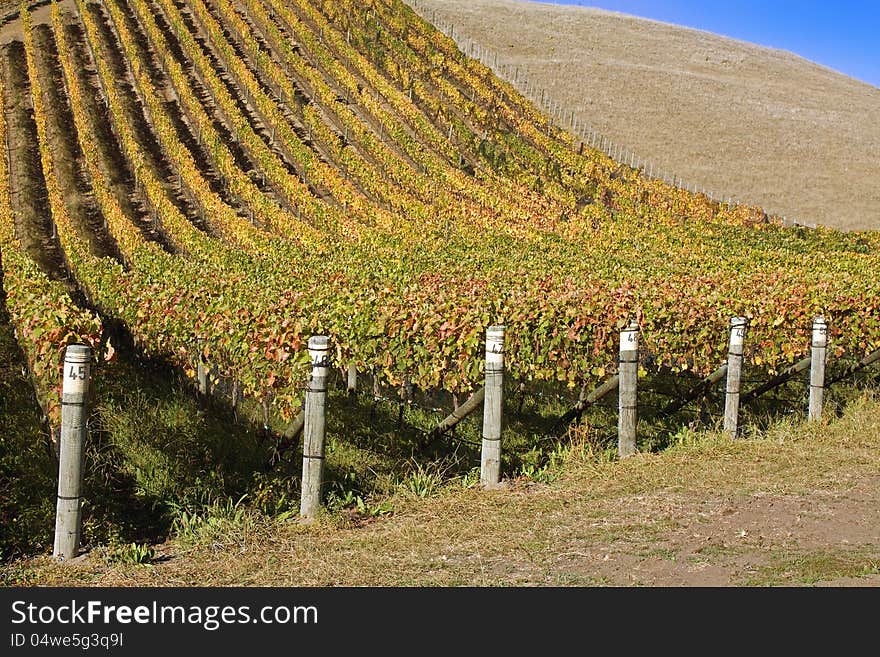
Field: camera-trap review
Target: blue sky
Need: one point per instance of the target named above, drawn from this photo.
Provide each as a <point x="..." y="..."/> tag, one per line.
<point x="842" y="35"/>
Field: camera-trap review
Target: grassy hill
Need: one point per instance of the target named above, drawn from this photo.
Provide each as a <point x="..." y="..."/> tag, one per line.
<point x="761" y="125"/>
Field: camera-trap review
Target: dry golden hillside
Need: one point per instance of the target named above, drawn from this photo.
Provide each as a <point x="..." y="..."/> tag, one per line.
<point x="760" y="125"/>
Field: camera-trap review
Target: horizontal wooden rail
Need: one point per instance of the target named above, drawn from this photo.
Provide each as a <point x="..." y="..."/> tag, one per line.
<point x="868" y="360"/>
<point x="786" y="375"/>
<point x="582" y="404"/>
<point x="296" y="426"/>
<point x="699" y="390"/>
<point x="460" y="413"/>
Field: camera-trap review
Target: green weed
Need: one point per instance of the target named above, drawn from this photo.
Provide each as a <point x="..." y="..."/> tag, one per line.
<point x="221" y="524"/>
<point x="422" y="481"/>
<point x="131" y="553"/>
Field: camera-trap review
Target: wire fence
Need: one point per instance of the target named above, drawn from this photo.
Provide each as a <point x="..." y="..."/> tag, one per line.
<point x="572" y="121"/>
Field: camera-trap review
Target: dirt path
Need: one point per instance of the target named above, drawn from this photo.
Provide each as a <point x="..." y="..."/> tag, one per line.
<point x="760" y="538"/>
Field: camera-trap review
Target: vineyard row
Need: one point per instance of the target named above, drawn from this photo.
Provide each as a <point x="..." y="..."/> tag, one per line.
<point x="242" y="178"/>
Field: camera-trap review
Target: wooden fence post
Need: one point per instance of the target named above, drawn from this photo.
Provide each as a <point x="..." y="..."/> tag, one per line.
<point x="351" y="379"/>
<point x="74" y="427"/>
<point x="817" y="368"/>
<point x="313" y="429"/>
<point x="236" y="396"/>
<point x="490" y="459"/>
<point x="628" y="392"/>
<point x="201" y="369"/>
<point x="734" y="374"/>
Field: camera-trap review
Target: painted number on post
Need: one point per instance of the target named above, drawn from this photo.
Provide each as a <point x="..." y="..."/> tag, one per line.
<point x="629" y="340"/>
<point x="737" y="336"/>
<point x="75" y="379"/>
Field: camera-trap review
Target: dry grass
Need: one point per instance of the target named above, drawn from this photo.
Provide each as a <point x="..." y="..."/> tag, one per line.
<point x="759" y="124"/>
<point x="798" y="505"/>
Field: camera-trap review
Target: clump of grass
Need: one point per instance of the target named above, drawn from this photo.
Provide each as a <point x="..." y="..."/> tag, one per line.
<point x="224" y="524"/>
<point x="470" y="478"/>
<point x="817" y="566"/>
<point x="544" y="466"/>
<point x="423" y="480"/>
<point x="130" y="554"/>
<point x="18" y="574"/>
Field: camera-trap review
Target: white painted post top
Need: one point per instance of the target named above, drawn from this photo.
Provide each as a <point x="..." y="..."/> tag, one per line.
<point x="738" y="330"/>
<point x="77" y="359"/>
<point x="318" y="347"/>
<point x="820" y="332"/>
<point x="629" y="337"/>
<point x="78" y="353"/>
<point x="495" y="344"/>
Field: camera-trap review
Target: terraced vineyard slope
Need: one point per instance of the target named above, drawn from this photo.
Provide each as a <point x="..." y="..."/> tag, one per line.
<point x="225" y="179"/>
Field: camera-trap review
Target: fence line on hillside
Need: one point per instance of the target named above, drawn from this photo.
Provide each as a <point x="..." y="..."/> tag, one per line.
<point x="574" y="123"/>
<point x="77" y="376"/>
<point x="626" y="382"/>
